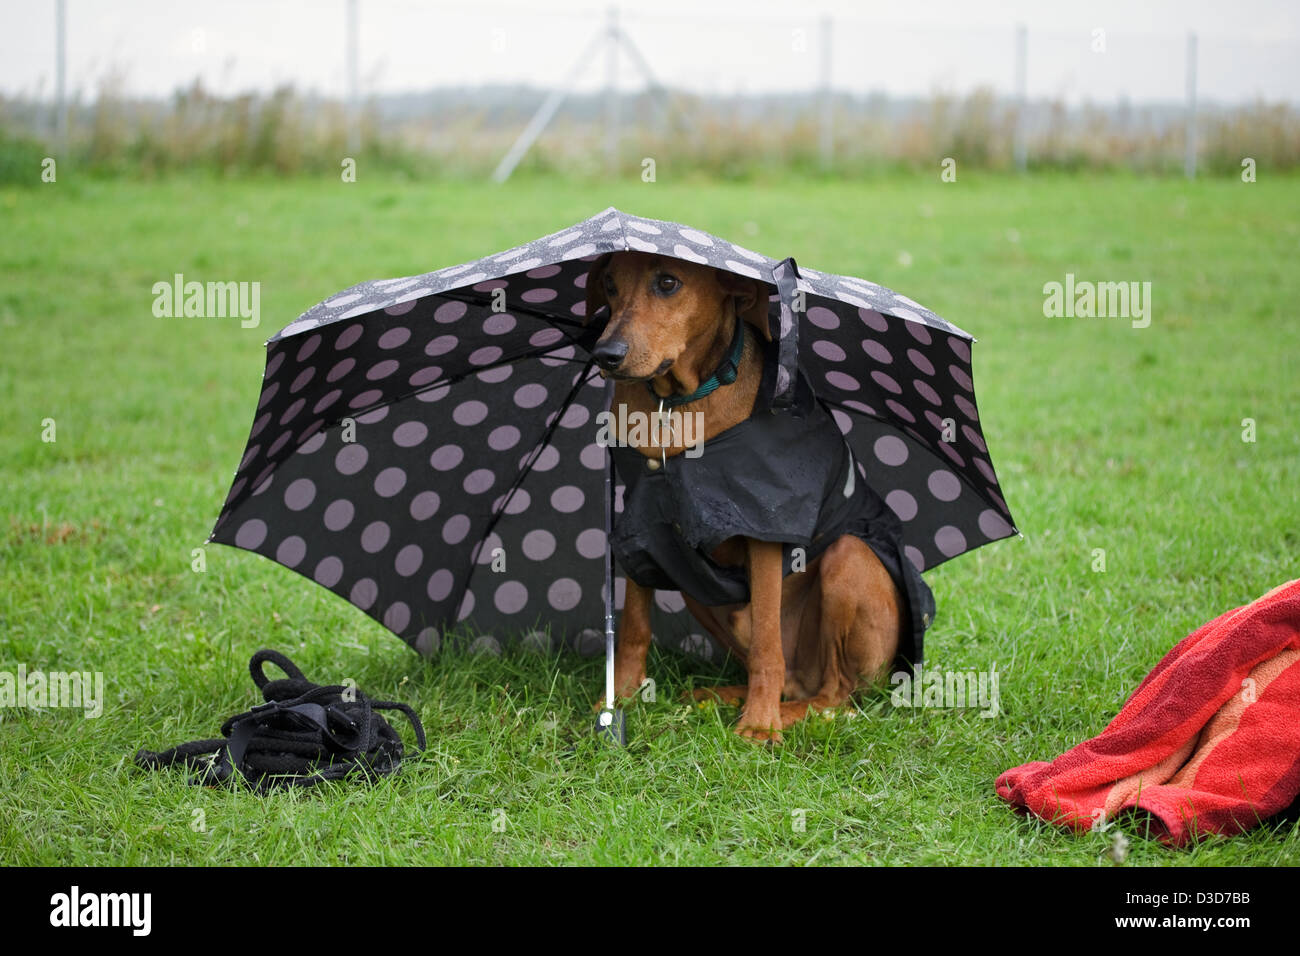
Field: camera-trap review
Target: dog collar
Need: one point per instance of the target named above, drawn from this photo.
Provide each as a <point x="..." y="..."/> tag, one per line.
<point x="724" y="374"/>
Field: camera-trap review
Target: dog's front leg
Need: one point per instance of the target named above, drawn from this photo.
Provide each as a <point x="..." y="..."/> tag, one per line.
<point x="633" y="641"/>
<point x="761" y="718"/>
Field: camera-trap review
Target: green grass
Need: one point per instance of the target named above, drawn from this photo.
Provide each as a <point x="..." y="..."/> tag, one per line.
<point x="1105" y="436"/>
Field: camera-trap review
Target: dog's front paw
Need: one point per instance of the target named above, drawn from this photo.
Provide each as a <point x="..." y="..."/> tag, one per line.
<point x="732" y="696"/>
<point x="761" y="724"/>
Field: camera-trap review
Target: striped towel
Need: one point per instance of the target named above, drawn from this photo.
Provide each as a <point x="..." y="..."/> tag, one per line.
<point x="1208" y="743"/>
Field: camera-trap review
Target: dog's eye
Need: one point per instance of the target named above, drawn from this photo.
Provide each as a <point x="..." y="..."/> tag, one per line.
<point x="610" y="289"/>
<point x="667" y="284"/>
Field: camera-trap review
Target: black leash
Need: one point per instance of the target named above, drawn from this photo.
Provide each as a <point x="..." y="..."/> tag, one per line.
<point x="305" y="733"/>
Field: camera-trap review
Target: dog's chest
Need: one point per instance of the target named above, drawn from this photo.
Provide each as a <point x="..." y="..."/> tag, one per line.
<point x="774" y="477"/>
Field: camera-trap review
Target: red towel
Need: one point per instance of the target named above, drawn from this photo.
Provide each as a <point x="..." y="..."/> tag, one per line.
<point x="1208" y="743"/>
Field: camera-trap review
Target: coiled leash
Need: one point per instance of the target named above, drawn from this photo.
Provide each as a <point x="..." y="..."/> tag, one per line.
<point x="304" y="734"/>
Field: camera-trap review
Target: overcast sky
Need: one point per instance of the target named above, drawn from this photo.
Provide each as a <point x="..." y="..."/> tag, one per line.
<point x="1247" y="48"/>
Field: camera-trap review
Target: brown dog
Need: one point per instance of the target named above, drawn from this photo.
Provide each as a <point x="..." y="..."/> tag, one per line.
<point x="814" y="637"/>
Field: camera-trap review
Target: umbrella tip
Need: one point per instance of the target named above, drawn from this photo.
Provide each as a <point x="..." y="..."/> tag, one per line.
<point x="611" y="727"/>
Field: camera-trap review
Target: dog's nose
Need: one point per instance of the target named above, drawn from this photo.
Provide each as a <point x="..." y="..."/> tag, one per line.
<point x="609" y="355"/>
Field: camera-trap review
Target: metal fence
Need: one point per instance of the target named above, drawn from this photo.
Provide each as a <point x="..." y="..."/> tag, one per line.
<point x="351" y="49"/>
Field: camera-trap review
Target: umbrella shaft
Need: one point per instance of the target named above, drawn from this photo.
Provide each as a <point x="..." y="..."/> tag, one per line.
<point x="609" y="561"/>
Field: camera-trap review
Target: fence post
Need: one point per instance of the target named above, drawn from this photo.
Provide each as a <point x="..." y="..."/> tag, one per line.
<point x="1189" y="155"/>
<point x="60" y="75"/>
<point x="1022" y="73"/>
<point x="827" y="139"/>
<point x="354" y="119"/>
<point x="611" y="92"/>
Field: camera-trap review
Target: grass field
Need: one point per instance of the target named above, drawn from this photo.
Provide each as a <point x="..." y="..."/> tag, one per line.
<point x="1105" y="436"/>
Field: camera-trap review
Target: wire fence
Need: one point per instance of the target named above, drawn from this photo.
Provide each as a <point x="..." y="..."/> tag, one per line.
<point x="842" y="85"/>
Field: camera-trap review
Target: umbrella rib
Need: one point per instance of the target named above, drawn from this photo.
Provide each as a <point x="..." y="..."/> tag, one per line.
<point x="829" y="403"/>
<point x="482" y="300"/>
<point x="527" y="469"/>
<point x="540" y="352"/>
<point x="403" y="396"/>
<point x="479" y="300"/>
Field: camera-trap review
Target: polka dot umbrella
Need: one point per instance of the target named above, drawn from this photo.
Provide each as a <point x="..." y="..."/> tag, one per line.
<point x="425" y="447"/>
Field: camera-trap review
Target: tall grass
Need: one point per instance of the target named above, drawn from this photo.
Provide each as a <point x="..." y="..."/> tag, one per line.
<point x="464" y="133"/>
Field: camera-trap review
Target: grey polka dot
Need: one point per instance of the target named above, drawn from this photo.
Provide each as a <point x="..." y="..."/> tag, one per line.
<point x="886" y="382"/>
<point x="455" y="529"/>
<point x="546" y="460"/>
<point x="479" y="481"/>
<point x="484" y="644"/>
<point x="503" y="438"/>
<point x="424" y="505"/>
<point x="447" y="457"/>
<point x="567" y="499"/>
<point x="339" y="514"/>
<point x="440" y="345"/>
<point x="890" y="450"/>
<point x="530" y="396"/>
<point x="364" y="593"/>
<point x="469" y="413"/>
<point x="397" y="617"/>
<point x="291" y="551"/>
<point x="351" y="458"/>
<point x="591" y="543"/>
<point x="510" y="597"/>
<point x="375" y="536"/>
<point x="440" y="585"/>
<point x="410" y="434"/>
<point x="823" y="318"/>
<point x="538" y="545"/>
<point x="902" y="503"/>
<point x="408" y="560"/>
<point x="993" y="525"/>
<point x="828" y="350"/>
<point x="329" y="572"/>
<point x="944" y="485"/>
<point x="950" y="541"/>
<point x="349" y="337"/>
<point x="251" y="534"/>
<point x="428" y="641"/>
<point x="300" y="494"/>
<point x="564" y="594"/>
<point x="301" y="381"/>
<point x="389" y="482"/>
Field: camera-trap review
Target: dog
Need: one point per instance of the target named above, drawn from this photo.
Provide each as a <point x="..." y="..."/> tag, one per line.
<point x="813" y="636"/>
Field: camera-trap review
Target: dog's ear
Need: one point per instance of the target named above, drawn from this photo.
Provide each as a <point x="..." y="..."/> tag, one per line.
<point x="751" y="297"/>
<point x="596" y="285"/>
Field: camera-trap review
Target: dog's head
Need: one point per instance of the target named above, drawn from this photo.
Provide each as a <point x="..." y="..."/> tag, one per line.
<point x="666" y="312"/>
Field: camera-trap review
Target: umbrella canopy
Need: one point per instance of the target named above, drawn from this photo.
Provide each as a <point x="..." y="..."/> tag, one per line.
<point x="425" y="447"/>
